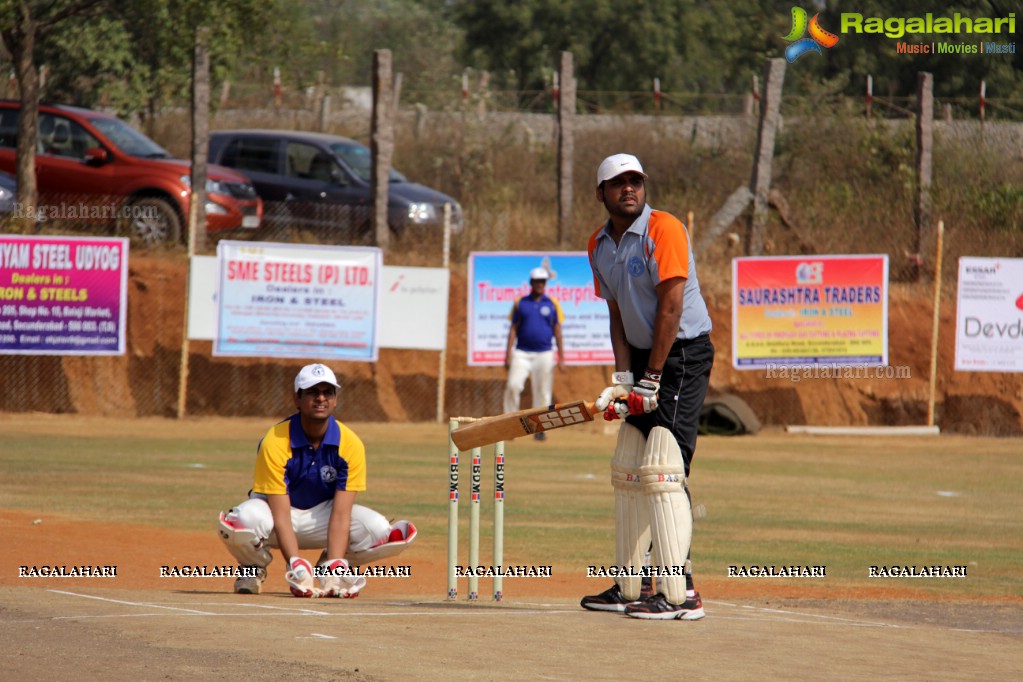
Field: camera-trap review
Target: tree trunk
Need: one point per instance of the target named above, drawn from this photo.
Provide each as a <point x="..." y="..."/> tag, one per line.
<point x="20" y="43"/>
<point x="200" y="138"/>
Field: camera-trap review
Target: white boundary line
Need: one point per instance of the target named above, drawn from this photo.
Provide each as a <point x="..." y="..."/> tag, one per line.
<point x="756" y="613"/>
<point x="132" y="603"/>
<point x="864" y="430"/>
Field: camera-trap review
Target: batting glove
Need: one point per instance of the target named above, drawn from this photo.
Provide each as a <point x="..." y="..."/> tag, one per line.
<point x="643" y="397"/>
<point x="300" y="578"/>
<point x="337" y="579"/>
<point x="608" y="400"/>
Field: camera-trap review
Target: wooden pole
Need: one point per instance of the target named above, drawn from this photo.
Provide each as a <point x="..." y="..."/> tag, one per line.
<point x="870" y="95"/>
<point x="381" y="144"/>
<point x="924" y="159"/>
<point x="442" y="369"/>
<point x="983" y="99"/>
<point x="934" y="328"/>
<point x="689" y="225"/>
<point x="197" y="202"/>
<point x="566" y="149"/>
<point x="760" y="182"/>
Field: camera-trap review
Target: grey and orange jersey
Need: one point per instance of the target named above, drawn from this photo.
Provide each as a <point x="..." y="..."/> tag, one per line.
<point x="655" y="248"/>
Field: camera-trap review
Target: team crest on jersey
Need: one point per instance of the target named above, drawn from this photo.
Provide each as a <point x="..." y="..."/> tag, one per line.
<point x="635" y="266"/>
<point x="328" y="474"/>
<point x="545" y="310"/>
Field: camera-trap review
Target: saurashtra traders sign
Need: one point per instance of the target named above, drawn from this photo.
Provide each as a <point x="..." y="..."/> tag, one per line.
<point x="820" y="310"/>
<point x="63" y="295"/>
<point x="989" y="315"/>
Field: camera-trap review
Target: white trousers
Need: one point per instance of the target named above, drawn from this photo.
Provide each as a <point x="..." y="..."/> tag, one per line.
<point x="369" y="528"/>
<point x="539" y="367"/>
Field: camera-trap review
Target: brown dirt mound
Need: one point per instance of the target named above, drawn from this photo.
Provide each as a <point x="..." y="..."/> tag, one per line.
<point x="402" y="385"/>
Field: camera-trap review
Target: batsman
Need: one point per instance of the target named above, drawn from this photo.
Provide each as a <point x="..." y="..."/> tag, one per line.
<point x="643" y="266"/>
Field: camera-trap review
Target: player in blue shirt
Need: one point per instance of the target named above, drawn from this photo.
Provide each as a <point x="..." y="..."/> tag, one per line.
<point x="535" y="322"/>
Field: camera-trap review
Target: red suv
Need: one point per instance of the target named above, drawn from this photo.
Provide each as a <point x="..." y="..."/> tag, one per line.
<point x="93" y="167"/>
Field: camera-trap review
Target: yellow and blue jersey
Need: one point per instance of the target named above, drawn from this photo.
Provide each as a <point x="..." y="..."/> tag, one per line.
<point x="287" y="464"/>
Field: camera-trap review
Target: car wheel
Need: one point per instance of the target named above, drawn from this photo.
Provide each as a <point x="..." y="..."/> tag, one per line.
<point x="151" y="221"/>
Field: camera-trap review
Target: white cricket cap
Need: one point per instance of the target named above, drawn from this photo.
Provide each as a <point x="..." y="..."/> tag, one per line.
<point x="310" y="375"/>
<point x="617" y="164"/>
<point x="539" y="273"/>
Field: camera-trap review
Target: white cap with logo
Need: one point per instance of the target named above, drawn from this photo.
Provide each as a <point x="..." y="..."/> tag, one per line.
<point x="310" y="375"/>
<point x="539" y="273"/>
<point x="615" y="165"/>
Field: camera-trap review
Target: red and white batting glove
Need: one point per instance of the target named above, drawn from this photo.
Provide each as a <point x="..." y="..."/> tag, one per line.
<point x="609" y="399"/>
<point x="300" y="578"/>
<point x="643" y="397"/>
<point x="337" y="579"/>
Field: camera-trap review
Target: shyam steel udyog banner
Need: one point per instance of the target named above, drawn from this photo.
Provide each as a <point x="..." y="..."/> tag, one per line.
<point x="297" y="301"/>
<point x="820" y="310"/>
<point x="989" y="315"/>
<point x="63" y="295"/>
<point x="498" y="279"/>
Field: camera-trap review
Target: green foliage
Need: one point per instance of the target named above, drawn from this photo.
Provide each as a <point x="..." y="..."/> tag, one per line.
<point x="95" y="66"/>
<point x="1001" y="207"/>
<point x="140" y="51"/>
<point x="716" y="46"/>
<point x="896" y="75"/>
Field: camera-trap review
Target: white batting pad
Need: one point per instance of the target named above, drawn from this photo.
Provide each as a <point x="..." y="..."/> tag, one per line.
<point x="632" y="524"/>
<point x="244" y="544"/>
<point x="671" y="519"/>
<point x="405" y="529"/>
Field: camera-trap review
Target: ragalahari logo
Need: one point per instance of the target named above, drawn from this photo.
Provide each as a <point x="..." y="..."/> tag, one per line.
<point x="818" y="36"/>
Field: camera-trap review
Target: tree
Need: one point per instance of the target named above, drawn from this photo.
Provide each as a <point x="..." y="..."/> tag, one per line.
<point x="24" y="26"/>
<point x="715" y="46"/>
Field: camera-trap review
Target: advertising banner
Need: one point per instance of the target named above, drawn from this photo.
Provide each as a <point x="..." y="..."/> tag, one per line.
<point x="809" y="310"/>
<point x="297" y="301"/>
<point x="989" y="315"/>
<point x="498" y="279"/>
<point x="63" y="295"/>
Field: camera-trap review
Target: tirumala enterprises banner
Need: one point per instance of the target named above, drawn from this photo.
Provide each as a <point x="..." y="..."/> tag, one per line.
<point x="820" y="310"/>
<point x="63" y="295"/>
<point x="498" y="279"/>
<point x="989" y="315"/>
<point x="297" y="300"/>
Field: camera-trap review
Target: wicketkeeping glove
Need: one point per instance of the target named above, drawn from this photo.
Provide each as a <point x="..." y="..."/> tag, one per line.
<point x="643" y="397"/>
<point x="608" y="400"/>
<point x="300" y="578"/>
<point x="337" y="580"/>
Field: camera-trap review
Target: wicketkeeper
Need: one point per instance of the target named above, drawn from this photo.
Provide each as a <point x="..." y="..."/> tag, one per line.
<point x="309" y="468"/>
<point x="643" y="267"/>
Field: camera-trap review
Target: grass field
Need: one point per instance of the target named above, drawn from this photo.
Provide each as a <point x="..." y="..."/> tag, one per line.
<point x="142" y="493"/>
<point x="773" y="499"/>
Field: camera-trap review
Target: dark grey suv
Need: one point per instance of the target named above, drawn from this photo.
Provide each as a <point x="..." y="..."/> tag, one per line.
<point x="320" y="182"/>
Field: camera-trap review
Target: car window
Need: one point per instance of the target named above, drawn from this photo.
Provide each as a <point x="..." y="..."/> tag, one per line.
<point x="9" y="128"/>
<point x="309" y="163"/>
<point x="252" y="154"/>
<point x="60" y="136"/>
<point x="129" y="140"/>
<point x="360" y="159"/>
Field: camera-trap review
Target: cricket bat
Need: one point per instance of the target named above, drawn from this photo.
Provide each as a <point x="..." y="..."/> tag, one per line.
<point x="522" y="423"/>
